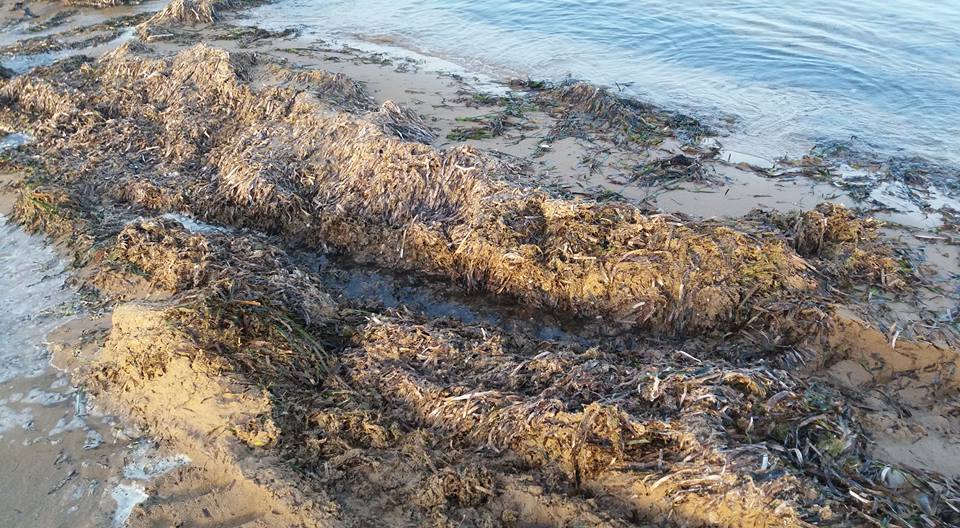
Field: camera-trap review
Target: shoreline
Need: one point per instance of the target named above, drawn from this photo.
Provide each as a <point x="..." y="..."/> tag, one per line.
<point x="645" y="71"/>
<point x="65" y="461"/>
<point x="841" y="164"/>
<point x="431" y="373"/>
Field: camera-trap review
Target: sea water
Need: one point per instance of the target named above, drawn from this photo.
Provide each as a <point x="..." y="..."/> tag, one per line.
<point x="774" y="77"/>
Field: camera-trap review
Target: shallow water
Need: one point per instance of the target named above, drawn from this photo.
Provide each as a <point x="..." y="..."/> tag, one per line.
<point x="25" y="63"/>
<point x="436" y="300"/>
<point x="31" y="282"/>
<point x="778" y="76"/>
<point x="61" y="461"/>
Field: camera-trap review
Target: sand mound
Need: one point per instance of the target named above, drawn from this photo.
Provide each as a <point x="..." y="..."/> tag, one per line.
<point x="152" y="372"/>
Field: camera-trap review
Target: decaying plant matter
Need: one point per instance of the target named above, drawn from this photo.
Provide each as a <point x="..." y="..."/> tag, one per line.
<point x="441" y="413"/>
<point x="582" y="107"/>
<point x="98" y="3"/>
<point x="841" y="243"/>
<point x="191" y="12"/>
<point x="191" y="133"/>
<point x="439" y="421"/>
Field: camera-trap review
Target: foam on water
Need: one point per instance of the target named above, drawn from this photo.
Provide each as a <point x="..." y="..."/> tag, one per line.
<point x="145" y="465"/>
<point x="32" y="294"/>
<point x="14" y="140"/>
<point x="14" y="418"/>
<point x="127" y="497"/>
<point x="31" y="279"/>
<point x="193" y="225"/>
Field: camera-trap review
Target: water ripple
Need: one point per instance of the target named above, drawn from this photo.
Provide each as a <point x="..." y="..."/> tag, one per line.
<point x="792" y="72"/>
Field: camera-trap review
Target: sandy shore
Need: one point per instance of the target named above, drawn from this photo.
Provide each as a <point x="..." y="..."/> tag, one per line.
<point x="349" y="289"/>
<point x="63" y="461"/>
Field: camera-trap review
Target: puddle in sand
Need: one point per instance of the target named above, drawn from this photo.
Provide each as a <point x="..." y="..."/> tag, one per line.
<point x="147" y="464"/>
<point x="14" y="140"/>
<point x="741" y="192"/>
<point x="62" y="463"/>
<point x="911" y="206"/>
<point x="381" y="289"/>
<point x="127" y="497"/>
<point x="193" y="225"/>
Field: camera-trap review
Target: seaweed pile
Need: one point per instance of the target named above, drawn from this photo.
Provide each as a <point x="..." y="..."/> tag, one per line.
<point x="841" y="244"/>
<point x="583" y="107"/>
<point x="180" y="12"/>
<point x="458" y="410"/>
<point x="445" y="417"/>
<point x="392" y="415"/>
<point x="196" y="137"/>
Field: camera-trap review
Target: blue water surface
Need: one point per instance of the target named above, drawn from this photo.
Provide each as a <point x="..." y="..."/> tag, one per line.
<point x="776" y="76"/>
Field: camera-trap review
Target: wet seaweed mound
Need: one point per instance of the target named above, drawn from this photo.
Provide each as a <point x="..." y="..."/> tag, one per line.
<point x="231" y="140"/>
<point x="841" y="243"/>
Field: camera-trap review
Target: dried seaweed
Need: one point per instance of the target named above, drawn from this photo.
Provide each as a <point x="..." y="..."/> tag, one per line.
<point x="843" y="244"/>
<point x="272" y="159"/>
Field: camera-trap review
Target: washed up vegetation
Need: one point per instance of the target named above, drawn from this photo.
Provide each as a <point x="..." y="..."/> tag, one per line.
<point x="842" y="244"/>
<point x="275" y="160"/>
<point x="180" y="14"/>
<point x="584" y="107"/>
<point x="663" y="433"/>
<point x="622" y="141"/>
<point x="191" y="12"/>
<point x="580" y="110"/>
<point x="673" y="170"/>
<point x="398" y="418"/>
<point x="509" y="113"/>
<point x="897" y="184"/>
<point x="58" y="18"/>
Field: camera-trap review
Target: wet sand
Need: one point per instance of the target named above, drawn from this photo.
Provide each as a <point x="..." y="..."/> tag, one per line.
<point x="63" y="462"/>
